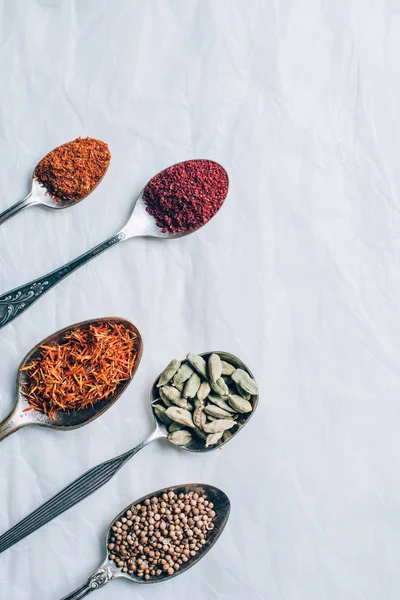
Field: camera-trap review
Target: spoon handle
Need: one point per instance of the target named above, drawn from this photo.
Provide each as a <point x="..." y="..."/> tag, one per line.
<point x="14" y="303"/>
<point x="99" y="579"/>
<point x="79" y="489"/>
<point x="9" y="426"/>
<point x="17" y="207"/>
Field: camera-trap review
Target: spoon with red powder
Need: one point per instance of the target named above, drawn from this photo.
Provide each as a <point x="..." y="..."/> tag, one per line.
<point x="65" y="176"/>
<point x="174" y="203"/>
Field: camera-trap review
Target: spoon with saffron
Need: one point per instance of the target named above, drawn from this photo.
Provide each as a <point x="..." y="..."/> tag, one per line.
<point x="25" y="414"/>
<point x="65" y="176"/>
<point x="109" y="570"/>
<point x="175" y="203"/>
<point x="98" y="476"/>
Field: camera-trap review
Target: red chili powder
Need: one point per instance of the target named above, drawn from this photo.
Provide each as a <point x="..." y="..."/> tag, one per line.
<point x="185" y="196"/>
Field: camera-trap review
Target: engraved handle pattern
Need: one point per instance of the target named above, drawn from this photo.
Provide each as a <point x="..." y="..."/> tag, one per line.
<point x="97" y="580"/>
<point x="14" y="303"/>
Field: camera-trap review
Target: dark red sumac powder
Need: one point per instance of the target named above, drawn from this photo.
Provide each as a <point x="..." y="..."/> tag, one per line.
<point x="185" y="196"/>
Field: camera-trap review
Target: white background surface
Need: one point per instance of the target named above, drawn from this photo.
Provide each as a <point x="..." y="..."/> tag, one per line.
<point x="298" y="275"/>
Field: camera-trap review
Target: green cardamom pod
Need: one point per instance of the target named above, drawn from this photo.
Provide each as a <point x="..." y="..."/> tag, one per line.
<point x="198" y="363"/>
<point x="169" y="372"/>
<point x="164" y="398"/>
<point x="199" y="417"/>
<point x="217" y="412"/>
<point x="227" y="435"/>
<point x="214" y="367"/>
<point x="203" y="391"/>
<point x="245" y="382"/>
<point x="220" y="402"/>
<point x="179" y="386"/>
<point x="183" y="373"/>
<point x="199" y="432"/>
<point x="174" y="427"/>
<point x="197" y="402"/>
<point x="227" y="368"/>
<point x="192" y="386"/>
<point x="160" y="414"/>
<point x="218" y="425"/>
<point x="239" y="404"/>
<point x="173" y="395"/>
<point x="220" y="387"/>
<point x="241" y="392"/>
<point x="180" y="437"/>
<point x="180" y="415"/>
<point x="213" y="438"/>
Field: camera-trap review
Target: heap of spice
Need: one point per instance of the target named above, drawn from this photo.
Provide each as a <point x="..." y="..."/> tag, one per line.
<point x="71" y="172"/>
<point x="81" y="368"/>
<point x="185" y="196"/>
<point x="206" y="398"/>
<point x="162" y="534"/>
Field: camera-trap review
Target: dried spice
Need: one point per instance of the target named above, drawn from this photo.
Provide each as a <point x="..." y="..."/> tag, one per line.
<point x="209" y="403"/>
<point x="81" y="368"/>
<point x="159" y="536"/>
<point x="185" y="196"/>
<point x="71" y="172"/>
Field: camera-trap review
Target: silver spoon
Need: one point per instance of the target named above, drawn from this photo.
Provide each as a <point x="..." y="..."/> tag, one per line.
<point x="140" y="224"/>
<point x="96" y="477"/>
<point x="40" y="195"/>
<point x="23" y="413"/>
<point x="109" y="570"/>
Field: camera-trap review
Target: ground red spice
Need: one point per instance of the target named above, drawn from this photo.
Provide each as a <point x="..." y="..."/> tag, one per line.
<point x="71" y="172"/>
<point x="185" y="196"/>
<point x="81" y="368"/>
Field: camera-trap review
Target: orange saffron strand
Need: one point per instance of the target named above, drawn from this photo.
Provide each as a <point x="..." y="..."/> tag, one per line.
<point x="82" y="368"/>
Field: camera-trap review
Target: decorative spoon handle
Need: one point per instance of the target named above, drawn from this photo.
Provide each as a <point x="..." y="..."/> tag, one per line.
<point x="17" y="207"/>
<point x="14" y="303"/>
<point x="80" y="592"/>
<point x="79" y="489"/>
<point x="99" y="579"/>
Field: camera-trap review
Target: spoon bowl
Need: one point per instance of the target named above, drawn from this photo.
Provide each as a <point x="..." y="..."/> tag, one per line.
<point x="40" y="195"/>
<point x="109" y="570"/>
<point x="24" y="414"/>
<point x="197" y="445"/>
<point x="142" y="223"/>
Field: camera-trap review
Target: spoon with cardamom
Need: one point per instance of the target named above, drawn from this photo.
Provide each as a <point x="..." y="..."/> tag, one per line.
<point x="194" y="499"/>
<point x="216" y="395"/>
<point x="65" y="176"/>
<point x="176" y="202"/>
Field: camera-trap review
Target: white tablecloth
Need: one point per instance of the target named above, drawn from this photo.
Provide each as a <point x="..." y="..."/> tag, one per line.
<point x="298" y="275"/>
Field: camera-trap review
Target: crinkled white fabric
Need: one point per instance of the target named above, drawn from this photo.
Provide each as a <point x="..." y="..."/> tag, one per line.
<point x="298" y="275"/>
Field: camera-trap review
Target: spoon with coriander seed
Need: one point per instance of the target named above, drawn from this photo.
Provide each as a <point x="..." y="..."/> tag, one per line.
<point x="65" y="176"/>
<point x="215" y="396"/>
<point x="75" y="375"/>
<point x="174" y="203"/>
<point x="205" y="506"/>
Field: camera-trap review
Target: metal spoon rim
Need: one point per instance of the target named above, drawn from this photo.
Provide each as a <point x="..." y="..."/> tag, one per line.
<point x="254" y="401"/>
<point x="46" y="198"/>
<point x="36" y="417"/>
<point x="184" y="488"/>
<point x="140" y="205"/>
